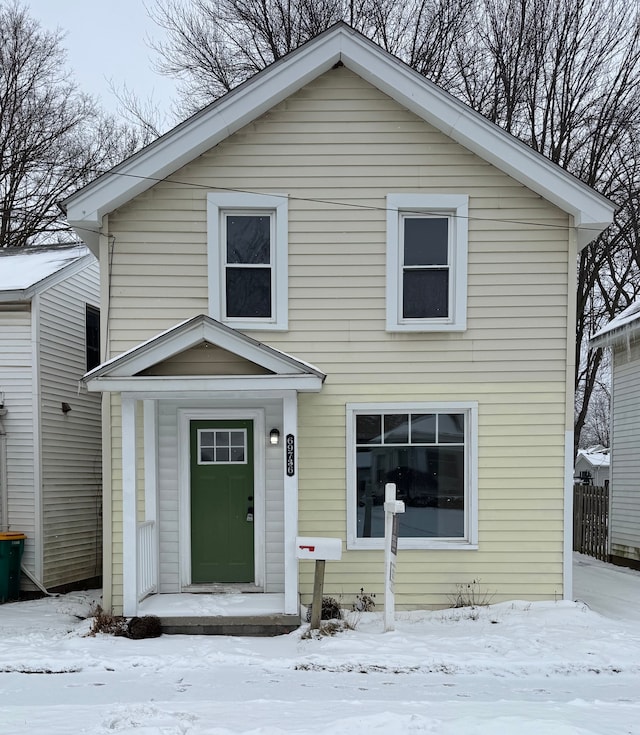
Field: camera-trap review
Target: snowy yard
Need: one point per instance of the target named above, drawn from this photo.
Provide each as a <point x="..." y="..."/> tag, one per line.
<point x="552" y="668"/>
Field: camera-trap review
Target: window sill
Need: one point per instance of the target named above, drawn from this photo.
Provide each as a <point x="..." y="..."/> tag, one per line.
<point x="427" y="327"/>
<point x="413" y="544"/>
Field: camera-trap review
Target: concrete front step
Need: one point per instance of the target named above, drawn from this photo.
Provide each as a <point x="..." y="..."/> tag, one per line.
<point x="249" y="625"/>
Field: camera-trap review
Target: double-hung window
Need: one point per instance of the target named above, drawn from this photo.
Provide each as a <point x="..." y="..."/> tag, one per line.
<point x="247" y="251"/>
<point x="429" y="452"/>
<point x="426" y="262"/>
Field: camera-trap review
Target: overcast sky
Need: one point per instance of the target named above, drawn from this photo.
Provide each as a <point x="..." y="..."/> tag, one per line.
<point x="107" y="40"/>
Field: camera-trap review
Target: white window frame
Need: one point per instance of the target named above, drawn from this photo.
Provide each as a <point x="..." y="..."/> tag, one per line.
<point x="277" y="207"/>
<point x="470" y="539"/>
<point x="455" y="207"/>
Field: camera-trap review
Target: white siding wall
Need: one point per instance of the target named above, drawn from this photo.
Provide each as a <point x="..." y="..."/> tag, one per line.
<point x="169" y="496"/>
<point x="625" y="461"/>
<point x="71" y="443"/>
<point x="16" y="383"/>
<point x="337" y="148"/>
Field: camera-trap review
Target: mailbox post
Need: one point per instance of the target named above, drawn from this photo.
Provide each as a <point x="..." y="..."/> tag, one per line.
<point x="391" y="509"/>
<point x="321" y="550"/>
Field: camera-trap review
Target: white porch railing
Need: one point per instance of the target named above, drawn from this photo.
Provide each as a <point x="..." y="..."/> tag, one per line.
<point x="147" y="564"/>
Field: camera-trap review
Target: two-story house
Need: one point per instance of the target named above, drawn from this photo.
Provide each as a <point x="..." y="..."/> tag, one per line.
<point x="335" y="277"/>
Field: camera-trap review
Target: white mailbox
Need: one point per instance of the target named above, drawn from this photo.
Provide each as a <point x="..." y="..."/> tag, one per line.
<point x="314" y="547"/>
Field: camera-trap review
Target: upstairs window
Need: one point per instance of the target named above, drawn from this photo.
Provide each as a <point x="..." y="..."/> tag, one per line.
<point x="248" y="264"/>
<point x="426" y="262"/>
<point x="92" y="336"/>
<point x="247" y="251"/>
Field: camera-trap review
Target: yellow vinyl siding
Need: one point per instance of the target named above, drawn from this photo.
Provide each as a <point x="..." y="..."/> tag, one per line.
<point x="205" y="359"/>
<point x="337" y="148"/>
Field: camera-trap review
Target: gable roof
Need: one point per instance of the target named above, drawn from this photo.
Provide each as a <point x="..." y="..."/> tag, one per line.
<point x="594" y="458"/>
<point x="123" y="372"/>
<point x="30" y="270"/>
<point x="621" y="328"/>
<point x="592" y="212"/>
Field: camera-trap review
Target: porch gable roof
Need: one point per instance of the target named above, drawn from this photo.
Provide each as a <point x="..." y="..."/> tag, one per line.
<point x="123" y="373"/>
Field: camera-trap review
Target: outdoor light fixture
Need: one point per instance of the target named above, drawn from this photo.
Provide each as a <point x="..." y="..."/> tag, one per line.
<point x="274" y="437"/>
<point x="65" y="407"/>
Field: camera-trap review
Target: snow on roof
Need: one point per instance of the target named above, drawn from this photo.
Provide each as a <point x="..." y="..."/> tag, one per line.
<point x="595" y="458"/>
<point x="618" y="326"/>
<point x="21" y="268"/>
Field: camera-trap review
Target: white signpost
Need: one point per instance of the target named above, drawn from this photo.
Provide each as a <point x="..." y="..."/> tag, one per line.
<point x="391" y="509"/>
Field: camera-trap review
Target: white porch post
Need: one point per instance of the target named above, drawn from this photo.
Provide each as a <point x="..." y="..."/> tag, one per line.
<point x="290" y="427"/>
<point x="129" y="520"/>
<point x="151" y="479"/>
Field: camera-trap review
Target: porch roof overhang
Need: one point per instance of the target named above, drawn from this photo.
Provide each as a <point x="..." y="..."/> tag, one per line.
<point x="124" y="373"/>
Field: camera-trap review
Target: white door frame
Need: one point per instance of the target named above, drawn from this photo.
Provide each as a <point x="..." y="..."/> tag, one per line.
<point x="185" y="416"/>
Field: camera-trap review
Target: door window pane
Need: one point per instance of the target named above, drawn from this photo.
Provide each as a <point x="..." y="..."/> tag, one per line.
<point x="222" y="446"/>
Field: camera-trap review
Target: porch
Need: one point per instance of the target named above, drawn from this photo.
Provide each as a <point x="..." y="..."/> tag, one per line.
<point x="246" y="614"/>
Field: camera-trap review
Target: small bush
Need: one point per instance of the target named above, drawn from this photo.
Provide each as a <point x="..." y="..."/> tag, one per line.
<point x="331" y="628"/>
<point x="106" y="622"/>
<point x="470" y="594"/>
<point x="331" y="610"/>
<point x="364" y="602"/>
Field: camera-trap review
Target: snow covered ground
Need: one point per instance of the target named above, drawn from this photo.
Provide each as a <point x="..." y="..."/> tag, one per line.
<point x="517" y="668"/>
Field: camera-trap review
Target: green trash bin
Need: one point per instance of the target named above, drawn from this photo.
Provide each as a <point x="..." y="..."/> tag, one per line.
<point x="11" y="548"/>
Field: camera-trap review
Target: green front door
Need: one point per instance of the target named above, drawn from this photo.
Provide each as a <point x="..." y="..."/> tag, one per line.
<point x="222" y="501"/>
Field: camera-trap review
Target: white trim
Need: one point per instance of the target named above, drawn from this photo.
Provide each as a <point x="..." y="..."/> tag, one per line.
<point x="191" y="332"/>
<point x="157" y="384"/>
<point x="456" y="208"/>
<point x="277" y="205"/>
<point x="129" y="508"/>
<point x="290" y="488"/>
<point x="567" y="541"/>
<point x="36" y="409"/>
<point x="470" y="539"/>
<point x="150" y="449"/>
<point x="185" y="416"/>
<point x="86" y="208"/>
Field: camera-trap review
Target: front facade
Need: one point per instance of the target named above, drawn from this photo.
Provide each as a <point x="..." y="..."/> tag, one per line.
<point x="622" y="335"/>
<point x="50" y="433"/>
<point x="340" y="254"/>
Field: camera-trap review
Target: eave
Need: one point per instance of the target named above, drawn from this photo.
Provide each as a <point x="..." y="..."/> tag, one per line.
<point x="590" y="211"/>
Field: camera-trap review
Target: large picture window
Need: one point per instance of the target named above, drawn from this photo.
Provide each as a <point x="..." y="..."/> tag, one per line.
<point x="426" y="262"/>
<point x="428" y="451"/>
<point x="247" y="252"/>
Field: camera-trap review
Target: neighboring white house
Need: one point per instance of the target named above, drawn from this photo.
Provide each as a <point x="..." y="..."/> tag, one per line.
<point x="592" y="466"/>
<point x="50" y="446"/>
<point x="622" y="335"/>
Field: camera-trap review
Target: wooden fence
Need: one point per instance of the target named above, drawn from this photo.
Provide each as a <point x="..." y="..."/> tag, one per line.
<point x="591" y="521"/>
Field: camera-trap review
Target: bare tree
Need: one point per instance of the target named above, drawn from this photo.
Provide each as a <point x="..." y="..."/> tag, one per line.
<point x="214" y="45"/>
<point x="52" y="137"/>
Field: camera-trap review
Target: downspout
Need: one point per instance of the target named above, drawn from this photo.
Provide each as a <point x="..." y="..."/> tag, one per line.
<point x="4" y="499"/>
